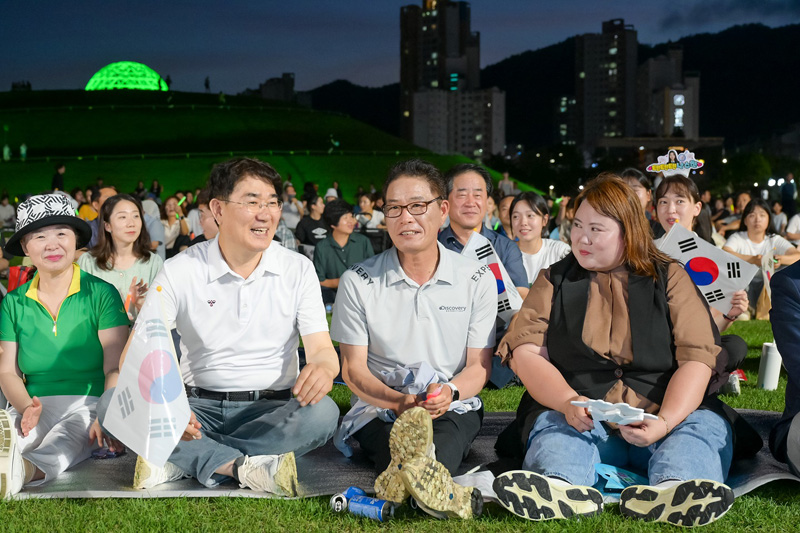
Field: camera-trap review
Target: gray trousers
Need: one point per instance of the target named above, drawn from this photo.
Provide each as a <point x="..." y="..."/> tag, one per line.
<point x="233" y="429"/>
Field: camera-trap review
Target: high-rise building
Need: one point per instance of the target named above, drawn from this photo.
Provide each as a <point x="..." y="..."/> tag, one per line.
<point x="442" y="106"/>
<point x="605" y="68"/>
<point x="668" y="100"/>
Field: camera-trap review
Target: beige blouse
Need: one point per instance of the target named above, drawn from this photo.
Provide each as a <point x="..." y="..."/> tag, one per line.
<point x="607" y="329"/>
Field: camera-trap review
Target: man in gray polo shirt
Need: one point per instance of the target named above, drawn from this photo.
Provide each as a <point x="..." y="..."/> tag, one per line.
<point x="417" y="306"/>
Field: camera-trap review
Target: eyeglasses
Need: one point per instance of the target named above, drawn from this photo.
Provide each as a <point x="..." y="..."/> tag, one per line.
<point x="417" y="208"/>
<point x="256" y="207"/>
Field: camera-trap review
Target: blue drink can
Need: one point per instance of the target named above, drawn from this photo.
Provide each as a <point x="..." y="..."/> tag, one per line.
<point x="371" y="508"/>
<point x="339" y="501"/>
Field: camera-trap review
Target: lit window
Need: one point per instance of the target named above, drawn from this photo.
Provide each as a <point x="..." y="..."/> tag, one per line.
<point x="434" y="55"/>
<point x="612" y="113"/>
<point x="478" y="137"/>
<point x="612" y="65"/>
<point x="582" y="75"/>
<point x="434" y="83"/>
<point x="679" y="117"/>
<point x="612" y="51"/>
<point x="678" y="100"/>
<point x="424" y="28"/>
<point x="489" y="104"/>
<point x="406" y="114"/>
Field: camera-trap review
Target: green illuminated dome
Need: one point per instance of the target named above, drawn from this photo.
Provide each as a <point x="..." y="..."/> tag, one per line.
<point x="126" y="75"/>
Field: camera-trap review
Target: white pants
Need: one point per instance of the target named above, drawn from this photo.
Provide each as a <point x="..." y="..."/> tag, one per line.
<point x="61" y="438"/>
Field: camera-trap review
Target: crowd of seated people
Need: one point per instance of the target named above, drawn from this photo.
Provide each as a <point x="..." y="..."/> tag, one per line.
<point x="605" y="316"/>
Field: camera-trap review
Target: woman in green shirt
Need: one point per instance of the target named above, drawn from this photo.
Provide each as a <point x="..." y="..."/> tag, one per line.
<point x="61" y="336"/>
<point x="122" y="254"/>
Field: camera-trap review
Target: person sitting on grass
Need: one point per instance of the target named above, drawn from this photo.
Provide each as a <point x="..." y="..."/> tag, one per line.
<point x="340" y="250"/>
<point x="617" y="320"/>
<point x="447" y="306"/>
<point x="678" y="202"/>
<point x="61" y="335"/>
<point x="784" y="439"/>
<point x="239" y="303"/>
<point x="122" y="255"/>
<point x="756" y="239"/>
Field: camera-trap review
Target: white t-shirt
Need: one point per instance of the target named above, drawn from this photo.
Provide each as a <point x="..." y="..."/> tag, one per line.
<point x="741" y="244"/>
<point x="778" y="221"/>
<point x="370" y="222"/>
<point x="291" y="215"/>
<point x="379" y="306"/>
<point x="551" y="252"/>
<point x="240" y="334"/>
<point x="794" y="227"/>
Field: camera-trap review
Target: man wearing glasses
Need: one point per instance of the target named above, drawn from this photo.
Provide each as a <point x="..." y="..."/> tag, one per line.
<point x="239" y="303"/>
<point x="416" y="329"/>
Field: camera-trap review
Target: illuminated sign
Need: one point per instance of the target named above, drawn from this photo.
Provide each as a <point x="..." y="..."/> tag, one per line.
<point x="675" y="163"/>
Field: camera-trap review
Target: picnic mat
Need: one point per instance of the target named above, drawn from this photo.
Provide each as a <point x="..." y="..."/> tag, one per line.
<point x="326" y="471"/>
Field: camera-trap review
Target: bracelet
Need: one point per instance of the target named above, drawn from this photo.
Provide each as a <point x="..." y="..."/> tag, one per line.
<point x="665" y="422"/>
<point x="728" y="318"/>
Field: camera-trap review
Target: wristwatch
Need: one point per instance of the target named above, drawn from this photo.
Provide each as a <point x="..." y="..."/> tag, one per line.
<point x="456" y="394"/>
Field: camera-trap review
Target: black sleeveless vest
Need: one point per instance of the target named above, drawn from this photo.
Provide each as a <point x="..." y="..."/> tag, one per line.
<point x="592" y="375"/>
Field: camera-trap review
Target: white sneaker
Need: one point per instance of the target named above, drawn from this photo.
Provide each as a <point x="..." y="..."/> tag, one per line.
<point x="12" y="469"/>
<point x="147" y="475"/>
<point x="275" y="474"/>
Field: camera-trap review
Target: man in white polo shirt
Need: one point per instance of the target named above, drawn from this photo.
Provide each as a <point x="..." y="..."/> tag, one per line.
<point x="416" y="303"/>
<point x="239" y="303"/>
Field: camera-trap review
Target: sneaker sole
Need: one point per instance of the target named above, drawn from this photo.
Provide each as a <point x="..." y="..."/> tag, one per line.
<point x="430" y="484"/>
<point x="533" y="497"/>
<point x="286" y="476"/>
<point x="692" y="503"/>
<point x="141" y="475"/>
<point x="8" y="441"/>
<point x="409" y="430"/>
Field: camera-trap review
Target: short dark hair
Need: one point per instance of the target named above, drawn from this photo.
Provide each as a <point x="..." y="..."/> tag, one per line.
<point x="224" y="176"/>
<point x="456" y="171"/>
<point x="416" y="168"/>
<point x="334" y="210"/>
<point x="751" y="206"/>
<point x="202" y="197"/>
<point x="631" y="173"/>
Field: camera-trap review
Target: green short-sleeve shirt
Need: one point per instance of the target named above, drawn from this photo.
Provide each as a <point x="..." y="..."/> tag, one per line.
<point x="62" y="355"/>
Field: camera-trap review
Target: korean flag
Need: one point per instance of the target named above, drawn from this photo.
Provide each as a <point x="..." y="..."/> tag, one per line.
<point x="716" y="273"/>
<point x="508" y="299"/>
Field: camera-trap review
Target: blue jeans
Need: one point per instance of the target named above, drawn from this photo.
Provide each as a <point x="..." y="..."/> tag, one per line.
<point x="233" y="429"/>
<point x="700" y="447"/>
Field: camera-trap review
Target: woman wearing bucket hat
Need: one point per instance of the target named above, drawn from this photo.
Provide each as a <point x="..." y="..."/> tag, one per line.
<point x="61" y="336"/>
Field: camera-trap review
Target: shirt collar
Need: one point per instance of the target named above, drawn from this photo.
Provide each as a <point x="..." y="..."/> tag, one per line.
<point x="218" y="267"/>
<point x="445" y="270"/>
<point x="74" y="285"/>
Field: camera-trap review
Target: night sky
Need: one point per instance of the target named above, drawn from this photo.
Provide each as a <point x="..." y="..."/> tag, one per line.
<point x="239" y="44"/>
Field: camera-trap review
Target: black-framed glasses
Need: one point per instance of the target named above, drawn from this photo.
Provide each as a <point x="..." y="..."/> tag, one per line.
<point x="256" y="207"/>
<point x="416" y="208"/>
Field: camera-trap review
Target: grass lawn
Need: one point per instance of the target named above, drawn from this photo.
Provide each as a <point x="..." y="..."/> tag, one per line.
<point x="775" y="507"/>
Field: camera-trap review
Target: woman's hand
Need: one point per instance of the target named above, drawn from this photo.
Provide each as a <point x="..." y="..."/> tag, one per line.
<point x="136" y="295"/>
<point x="739" y="304"/>
<point x="577" y="417"/>
<point x="96" y="434"/>
<point x="644" y="433"/>
<point x="30" y="416"/>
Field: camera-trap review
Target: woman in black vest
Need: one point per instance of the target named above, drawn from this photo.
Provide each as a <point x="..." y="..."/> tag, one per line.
<point x="616" y="320"/>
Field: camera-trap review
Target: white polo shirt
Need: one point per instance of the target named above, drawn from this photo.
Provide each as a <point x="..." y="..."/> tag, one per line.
<point x="240" y="334"/>
<point x="379" y="306"/>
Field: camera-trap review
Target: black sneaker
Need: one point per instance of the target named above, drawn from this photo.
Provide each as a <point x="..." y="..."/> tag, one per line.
<point x="535" y="497"/>
<point x="696" y="502"/>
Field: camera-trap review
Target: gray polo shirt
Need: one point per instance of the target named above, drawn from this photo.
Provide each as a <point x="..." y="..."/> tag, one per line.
<point x="379" y="306"/>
